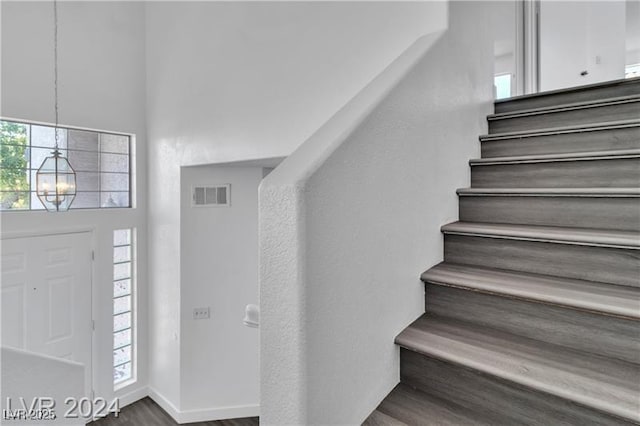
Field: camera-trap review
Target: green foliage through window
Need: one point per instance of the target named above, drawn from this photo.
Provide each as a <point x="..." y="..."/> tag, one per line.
<point x="14" y="183"/>
<point x="102" y="162"/>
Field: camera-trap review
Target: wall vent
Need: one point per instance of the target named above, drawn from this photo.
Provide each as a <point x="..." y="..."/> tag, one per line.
<point x="211" y="196"/>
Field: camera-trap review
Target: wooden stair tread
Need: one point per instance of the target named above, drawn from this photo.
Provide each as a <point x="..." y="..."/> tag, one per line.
<point x="604" y="384"/>
<point x="552" y="234"/>
<point x="565" y="107"/>
<point x="583" y="87"/>
<point x="546" y="158"/>
<point x="408" y="406"/>
<point x="552" y="192"/>
<point x="579" y="294"/>
<point x="579" y="128"/>
<point x="378" y="418"/>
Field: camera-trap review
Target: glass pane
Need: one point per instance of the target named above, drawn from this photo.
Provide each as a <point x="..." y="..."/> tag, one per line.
<point x="502" y="86"/>
<point x="35" y="201"/>
<point x="121" y="288"/>
<point x="121" y="237"/>
<point x="14" y="200"/>
<point x="14" y="162"/>
<point x="83" y="140"/>
<point x="122" y="373"/>
<point x="86" y="200"/>
<point x="122" y="355"/>
<point x="121" y="338"/>
<point x="114" y="182"/>
<point x="121" y="271"/>
<point x="114" y="143"/>
<point x="121" y="254"/>
<point x="43" y="136"/>
<point x="88" y="181"/>
<point x="122" y="321"/>
<point x="84" y="160"/>
<point x="115" y="199"/>
<point x="122" y="304"/>
<point x="14" y="133"/>
<point x="114" y="163"/>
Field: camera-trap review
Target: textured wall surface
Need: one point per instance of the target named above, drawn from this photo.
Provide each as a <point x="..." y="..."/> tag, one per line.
<point x="351" y="219"/>
<point x="233" y="81"/>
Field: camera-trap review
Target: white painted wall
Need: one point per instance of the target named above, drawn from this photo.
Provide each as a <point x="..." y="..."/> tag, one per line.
<point x="230" y="81"/>
<point x="219" y="270"/>
<point x="350" y="220"/>
<point x="573" y="34"/>
<point x="102" y="75"/>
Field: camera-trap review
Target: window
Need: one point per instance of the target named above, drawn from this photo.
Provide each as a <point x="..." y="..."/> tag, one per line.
<point x="502" y="86"/>
<point x="123" y="307"/>
<point x="102" y="163"/>
<point x="632" y="70"/>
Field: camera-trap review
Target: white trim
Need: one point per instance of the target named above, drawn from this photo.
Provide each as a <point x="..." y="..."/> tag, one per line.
<point x="518" y="80"/>
<point x="132" y="396"/>
<point x="221" y="413"/>
<point x="60" y="125"/>
<point x="164" y="403"/>
<point x="11" y="235"/>
<point x="205" y="414"/>
<point x="531" y="48"/>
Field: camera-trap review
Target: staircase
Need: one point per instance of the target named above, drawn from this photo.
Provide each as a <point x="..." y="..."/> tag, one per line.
<point x="533" y="317"/>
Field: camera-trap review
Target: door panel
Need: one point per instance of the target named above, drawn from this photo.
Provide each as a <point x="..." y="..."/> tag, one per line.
<point x="46" y="296"/>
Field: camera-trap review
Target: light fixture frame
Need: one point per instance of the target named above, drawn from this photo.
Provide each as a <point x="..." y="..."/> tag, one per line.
<point x="56" y="182"/>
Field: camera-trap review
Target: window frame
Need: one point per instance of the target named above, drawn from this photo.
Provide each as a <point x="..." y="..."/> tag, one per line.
<point x="131" y="164"/>
<point x="133" y="309"/>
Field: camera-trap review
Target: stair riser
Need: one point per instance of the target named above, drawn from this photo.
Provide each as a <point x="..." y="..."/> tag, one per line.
<point x="601" y="264"/>
<point x="597" y="114"/>
<point x="487" y="394"/>
<point x="621" y="172"/>
<point x="600" y="140"/>
<point x="595" y="333"/>
<point x="624" y="88"/>
<point x="621" y="213"/>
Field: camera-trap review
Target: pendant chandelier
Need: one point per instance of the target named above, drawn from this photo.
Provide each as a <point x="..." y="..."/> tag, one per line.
<point x="56" y="179"/>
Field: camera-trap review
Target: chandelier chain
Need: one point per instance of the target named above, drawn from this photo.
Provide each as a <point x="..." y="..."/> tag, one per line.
<point x="55" y="65"/>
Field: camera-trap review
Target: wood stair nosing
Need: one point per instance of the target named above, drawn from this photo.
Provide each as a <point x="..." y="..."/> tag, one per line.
<point x="406" y="405"/>
<point x="580" y="128"/>
<point x="590" y="296"/>
<point x="552" y="192"/>
<point x="601" y="90"/>
<point x="573" y="156"/>
<point x="549" y="234"/>
<point x="577" y="114"/>
<point x="592" y="381"/>
<point x="619" y="100"/>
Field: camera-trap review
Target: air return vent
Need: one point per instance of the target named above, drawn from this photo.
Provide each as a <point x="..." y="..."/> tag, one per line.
<point x="211" y="196"/>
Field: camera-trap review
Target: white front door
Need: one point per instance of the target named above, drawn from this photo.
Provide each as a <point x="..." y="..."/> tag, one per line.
<point x="46" y="296"/>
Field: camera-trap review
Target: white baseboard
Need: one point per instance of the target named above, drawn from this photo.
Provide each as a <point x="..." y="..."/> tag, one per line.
<point x="133" y="396"/>
<point x="222" y="413"/>
<point x="164" y="403"/>
<point x="202" y="415"/>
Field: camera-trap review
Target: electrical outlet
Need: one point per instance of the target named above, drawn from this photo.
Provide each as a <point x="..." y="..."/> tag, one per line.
<point x="201" y="313"/>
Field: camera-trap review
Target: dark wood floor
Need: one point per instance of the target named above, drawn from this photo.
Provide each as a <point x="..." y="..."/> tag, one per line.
<point x="147" y="413"/>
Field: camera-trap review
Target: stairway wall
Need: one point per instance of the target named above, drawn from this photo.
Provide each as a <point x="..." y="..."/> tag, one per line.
<point x="349" y="215"/>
